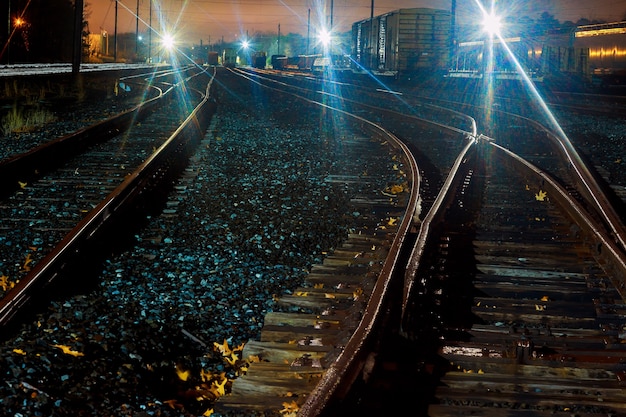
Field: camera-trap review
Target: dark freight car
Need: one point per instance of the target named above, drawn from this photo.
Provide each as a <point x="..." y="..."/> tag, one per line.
<point x="590" y="54"/>
<point x="279" y="62"/>
<point x="259" y="59"/>
<point x="405" y="40"/>
<point x="606" y="46"/>
<point x="213" y="58"/>
<point x="229" y="57"/>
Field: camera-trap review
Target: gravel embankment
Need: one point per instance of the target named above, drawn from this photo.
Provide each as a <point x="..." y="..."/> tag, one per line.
<point x="602" y="139"/>
<point x="251" y="216"/>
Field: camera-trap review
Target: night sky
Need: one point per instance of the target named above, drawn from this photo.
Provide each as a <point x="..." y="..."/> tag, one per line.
<point x="210" y="20"/>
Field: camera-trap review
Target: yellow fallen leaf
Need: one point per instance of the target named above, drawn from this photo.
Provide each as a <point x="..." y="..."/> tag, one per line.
<point x="68" y="350"/>
<point x="396" y="189"/>
<point x="19" y="351"/>
<point x="205" y="375"/>
<point x="290" y="408"/>
<point x="27" y="262"/>
<point x="541" y="196"/>
<point x="183" y="375"/>
<point x="220" y="386"/>
<point x="4" y="282"/>
<point x="232" y="359"/>
<point x="222" y="348"/>
<point x="242" y="370"/>
<point x="173" y="404"/>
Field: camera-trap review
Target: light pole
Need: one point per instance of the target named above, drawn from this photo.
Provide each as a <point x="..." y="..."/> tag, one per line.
<point x="78" y="36"/>
<point x="137" y="30"/>
<point x="370" y="44"/>
<point x="150" y="35"/>
<point x="9" y="32"/>
<point x="115" y="35"/>
<point x="19" y="22"/>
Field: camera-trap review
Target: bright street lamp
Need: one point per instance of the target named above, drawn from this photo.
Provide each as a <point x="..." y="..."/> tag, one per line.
<point x="324" y="37"/>
<point x="491" y="24"/>
<point x="168" y="41"/>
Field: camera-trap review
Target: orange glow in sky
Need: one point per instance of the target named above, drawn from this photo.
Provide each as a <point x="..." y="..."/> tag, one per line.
<point x="211" y="20"/>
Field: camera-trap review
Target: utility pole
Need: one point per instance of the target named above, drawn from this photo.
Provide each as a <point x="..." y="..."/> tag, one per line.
<point x="278" y="49"/>
<point x="330" y="32"/>
<point x="115" y="36"/>
<point x="150" y="35"/>
<point x="452" y="32"/>
<point x="370" y="46"/>
<point x="78" y="36"/>
<point x="137" y="30"/>
<point x="9" y="33"/>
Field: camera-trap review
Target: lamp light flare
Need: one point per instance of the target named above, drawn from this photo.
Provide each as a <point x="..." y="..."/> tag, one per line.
<point x="492" y="24"/>
<point x="168" y="41"/>
<point x="324" y="37"/>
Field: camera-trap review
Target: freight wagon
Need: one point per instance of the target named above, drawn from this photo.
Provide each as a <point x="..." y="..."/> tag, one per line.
<point x="591" y="54"/>
<point x="213" y="58"/>
<point x="229" y="57"/>
<point x="606" y="49"/>
<point x="259" y="59"/>
<point x="279" y="62"/>
<point x="405" y="40"/>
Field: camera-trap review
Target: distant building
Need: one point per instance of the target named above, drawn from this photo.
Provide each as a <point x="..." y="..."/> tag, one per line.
<point x="606" y="44"/>
<point x="98" y="47"/>
<point x="405" y="40"/>
<point x="596" y="53"/>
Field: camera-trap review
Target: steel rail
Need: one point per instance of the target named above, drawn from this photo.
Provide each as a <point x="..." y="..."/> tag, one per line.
<point x="33" y="163"/>
<point x="590" y="186"/>
<point x="346" y="368"/>
<point x="578" y="212"/>
<point x="471" y="120"/>
<point x="441" y="201"/>
<point x="124" y="202"/>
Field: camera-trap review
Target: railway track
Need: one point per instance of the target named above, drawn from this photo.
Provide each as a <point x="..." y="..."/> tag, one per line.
<point x="432" y="312"/>
<point x="544" y="323"/>
<point x="62" y="191"/>
<point x="395" y="315"/>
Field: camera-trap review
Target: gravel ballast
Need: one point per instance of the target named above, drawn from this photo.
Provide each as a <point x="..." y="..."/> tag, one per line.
<point x="251" y="215"/>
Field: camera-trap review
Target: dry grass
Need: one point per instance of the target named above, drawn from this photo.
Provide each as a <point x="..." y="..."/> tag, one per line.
<point x="19" y="120"/>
